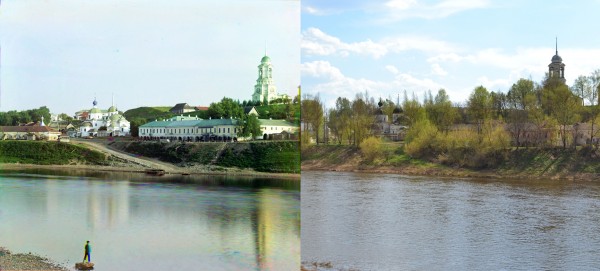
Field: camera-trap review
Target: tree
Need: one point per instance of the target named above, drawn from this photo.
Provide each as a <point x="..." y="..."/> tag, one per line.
<point x="521" y="100"/>
<point x="226" y="108"/>
<point x="312" y="113"/>
<point x="413" y="111"/>
<point x="563" y="106"/>
<point x="441" y="112"/>
<point x="249" y="126"/>
<point x="479" y="106"/>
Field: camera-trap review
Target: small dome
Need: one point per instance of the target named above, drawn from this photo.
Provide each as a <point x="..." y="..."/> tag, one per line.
<point x="112" y="109"/>
<point x="87" y="124"/>
<point x="397" y="110"/>
<point x="95" y="110"/>
<point x="556" y="59"/>
<point x="95" y="102"/>
<point x="115" y="117"/>
<point x="265" y="59"/>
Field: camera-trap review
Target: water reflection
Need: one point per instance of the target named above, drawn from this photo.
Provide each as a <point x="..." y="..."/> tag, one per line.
<point x="154" y="224"/>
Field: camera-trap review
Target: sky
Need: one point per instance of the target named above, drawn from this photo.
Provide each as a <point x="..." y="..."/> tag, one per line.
<point x="63" y="53"/>
<point x="386" y="47"/>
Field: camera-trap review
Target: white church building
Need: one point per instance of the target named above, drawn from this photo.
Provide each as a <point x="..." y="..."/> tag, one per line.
<point x="101" y="123"/>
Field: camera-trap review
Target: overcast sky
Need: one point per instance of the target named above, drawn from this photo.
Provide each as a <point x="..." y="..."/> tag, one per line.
<point x="388" y="46"/>
<point x="62" y="53"/>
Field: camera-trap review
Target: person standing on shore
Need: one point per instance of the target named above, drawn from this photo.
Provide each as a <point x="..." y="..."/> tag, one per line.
<point x="88" y="249"/>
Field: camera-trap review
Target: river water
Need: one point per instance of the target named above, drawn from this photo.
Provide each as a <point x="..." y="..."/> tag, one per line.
<point x="137" y="222"/>
<point x="392" y="222"/>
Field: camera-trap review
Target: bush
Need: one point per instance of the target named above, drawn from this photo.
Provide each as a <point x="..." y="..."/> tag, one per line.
<point x="422" y="139"/>
<point x="371" y="148"/>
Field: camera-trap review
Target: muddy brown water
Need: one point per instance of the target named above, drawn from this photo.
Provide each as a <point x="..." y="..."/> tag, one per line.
<point x="393" y="222"/>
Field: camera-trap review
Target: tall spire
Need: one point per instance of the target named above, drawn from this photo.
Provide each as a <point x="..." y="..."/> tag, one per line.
<point x="265" y="47"/>
<point x="113" y="99"/>
<point x="556" y="43"/>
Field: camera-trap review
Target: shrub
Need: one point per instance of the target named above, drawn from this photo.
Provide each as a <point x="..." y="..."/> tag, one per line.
<point x="371" y="148"/>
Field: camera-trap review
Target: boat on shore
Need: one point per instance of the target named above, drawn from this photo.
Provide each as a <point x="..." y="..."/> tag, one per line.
<point x="155" y="172"/>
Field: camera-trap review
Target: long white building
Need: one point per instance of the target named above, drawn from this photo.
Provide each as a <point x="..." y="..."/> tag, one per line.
<point x="195" y="129"/>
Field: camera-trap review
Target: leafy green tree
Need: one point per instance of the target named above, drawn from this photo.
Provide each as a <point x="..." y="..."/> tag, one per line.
<point x="521" y="101"/>
<point x="226" y="108"/>
<point x="441" y="112"/>
<point x="479" y="106"/>
<point x="562" y="106"/>
<point x="312" y="114"/>
<point x="249" y="126"/>
<point x="413" y="111"/>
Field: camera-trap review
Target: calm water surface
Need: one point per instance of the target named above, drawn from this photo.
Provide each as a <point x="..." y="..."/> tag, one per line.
<point x="135" y="222"/>
<point x="391" y="222"/>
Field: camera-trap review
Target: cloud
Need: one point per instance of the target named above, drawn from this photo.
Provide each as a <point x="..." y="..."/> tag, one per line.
<point x="392" y="69"/>
<point x="333" y="83"/>
<point x="403" y="9"/>
<point x="436" y="69"/>
<point x="316" y="42"/>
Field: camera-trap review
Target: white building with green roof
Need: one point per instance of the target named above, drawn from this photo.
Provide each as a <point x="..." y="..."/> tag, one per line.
<point x="98" y="122"/>
<point x="188" y="128"/>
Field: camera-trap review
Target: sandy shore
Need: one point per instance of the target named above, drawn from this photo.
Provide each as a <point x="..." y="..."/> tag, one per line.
<point x="22" y="261"/>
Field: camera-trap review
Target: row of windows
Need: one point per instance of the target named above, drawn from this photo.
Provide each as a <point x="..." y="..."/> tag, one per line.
<point x="187" y="130"/>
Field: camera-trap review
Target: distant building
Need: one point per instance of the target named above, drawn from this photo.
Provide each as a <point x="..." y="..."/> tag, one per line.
<point x="556" y="68"/>
<point x="201" y="108"/>
<point x="265" y="90"/>
<point x="382" y="127"/>
<point x="103" y="122"/>
<point x="250" y="110"/>
<point x="186" y="128"/>
<point x="35" y="132"/>
<point x="181" y="108"/>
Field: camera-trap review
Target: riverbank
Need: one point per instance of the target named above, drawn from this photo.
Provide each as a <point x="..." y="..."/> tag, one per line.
<point x="135" y="169"/>
<point x="106" y="155"/>
<point x="578" y="164"/>
<point x="22" y="261"/>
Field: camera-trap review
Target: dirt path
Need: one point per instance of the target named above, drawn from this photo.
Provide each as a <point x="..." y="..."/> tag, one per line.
<point x="142" y="161"/>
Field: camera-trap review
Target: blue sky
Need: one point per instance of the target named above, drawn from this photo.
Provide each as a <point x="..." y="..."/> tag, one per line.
<point x="388" y="46"/>
<point x="61" y="53"/>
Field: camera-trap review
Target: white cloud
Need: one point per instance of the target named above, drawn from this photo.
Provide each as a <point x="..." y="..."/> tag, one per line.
<point x="404" y="9"/>
<point x="436" y="69"/>
<point x="335" y="84"/>
<point x="392" y="69"/>
<point x="316" y="42"/>
<point x="401" y="4"/>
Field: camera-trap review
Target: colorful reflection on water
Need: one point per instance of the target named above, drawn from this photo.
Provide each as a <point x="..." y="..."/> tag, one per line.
<point x="153" y="223"/>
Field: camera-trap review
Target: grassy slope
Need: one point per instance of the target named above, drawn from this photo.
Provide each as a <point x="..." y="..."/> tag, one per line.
<point x="274" y="156"/>
<point x="528" y="163"/>
<point x="47" y="153"/>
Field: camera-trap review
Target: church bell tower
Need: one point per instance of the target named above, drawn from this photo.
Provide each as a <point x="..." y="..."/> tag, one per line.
<point x="556" y="68"/>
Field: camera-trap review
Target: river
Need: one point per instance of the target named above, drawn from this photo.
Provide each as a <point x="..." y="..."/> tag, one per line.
<point x="139" y="222"/>
<point x="393" y="222"/>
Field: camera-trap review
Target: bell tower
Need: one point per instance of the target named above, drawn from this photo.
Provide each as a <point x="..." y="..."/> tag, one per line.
<point x="264" y="90"/>
<point x="556" y="68"/>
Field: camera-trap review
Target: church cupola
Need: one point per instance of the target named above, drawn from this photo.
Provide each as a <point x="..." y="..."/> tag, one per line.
<point x="556" y="68"/>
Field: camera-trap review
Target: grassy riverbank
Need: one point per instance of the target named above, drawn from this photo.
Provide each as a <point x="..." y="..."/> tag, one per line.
<point x="22" y="261"/>
<point x="270" y="156"/>
<point x="582" y="163"/>
<point x="48" y="153"/>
